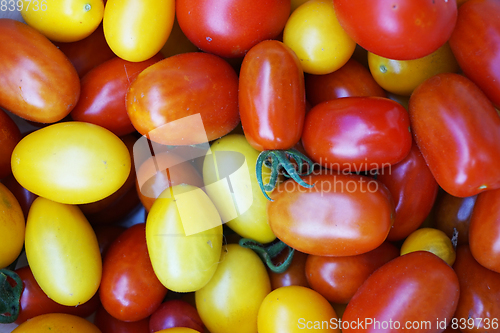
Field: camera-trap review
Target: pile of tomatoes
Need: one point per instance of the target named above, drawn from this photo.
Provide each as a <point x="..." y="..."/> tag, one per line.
<point x="268" y="166"/>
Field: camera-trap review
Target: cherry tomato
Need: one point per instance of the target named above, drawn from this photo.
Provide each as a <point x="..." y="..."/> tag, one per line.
<point x="109" y="324"/>
<point x="458" y="132"/>
<point x="175" y="313"/>
<point x="432" y="240"/>
<point x="230" y="28"/>
<point x="10" y="135"/>
<point x="398" y="29"/>
<point x="295" y="275"/>
<point x="12" y="227"/>
<point x="57" y="323"/>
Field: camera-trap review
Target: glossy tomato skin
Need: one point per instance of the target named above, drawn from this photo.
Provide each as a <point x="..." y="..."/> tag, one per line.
<point x="414" y="191"/>
<point x="357" y="133"/>
<point x="400" y="30"/>
<point x="175" y="313"/>
<point x="130" y="290"/>
<point x="30" y="63"/>
<point x="10" y="135"/>
<point x="415" y="287"/>
<point x="352" y="214"/>
<point x="12" y="227"/>
<point x="109" y="324"/>
<point x="230" y="28"/>
<point x="271" y="96"/>
<point x="184" y="85"/>
<point x="454" y="213"/>
<point x="295" y="275"/>
<point x="444" y="110"/>
<point x="476" y="41"/>
<point x="57" y="323"/>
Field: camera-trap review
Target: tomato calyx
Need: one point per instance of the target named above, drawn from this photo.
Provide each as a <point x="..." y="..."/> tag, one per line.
<point x="279" y="161"/>
<point x="267" y="253"/>
<point x="9" y="296"/>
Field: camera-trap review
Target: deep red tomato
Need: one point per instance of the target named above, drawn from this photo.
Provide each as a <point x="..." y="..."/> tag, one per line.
<point x="454" y="213"/>
<point x="357" y="133"/>
<point x="352" y="79"/>
<point x="10" y="135"/>
<point x="295" y="275"/>
<point x="479" y="294"/>
<point x="23" y="196"/>
<point x="109" y="324"/>
<point x="38" y="82"/>
<point x="106" y="235"/>
<point x="475" y="42"/>
<point x="230" y="28"/>
<point x="342" y="215"/>
<point x="338" y="278"/>
<point x="413" y="291"/>
<point x="130" y="290"/>
<point x="458" y="132"/>
<point x="180" y="86"/>
<point x="414" y="191"/>
<point x="398" y="29"/>
<point x="271" y="96"/>
<point x="103" y="90"/>
<point x="175" y="313"/>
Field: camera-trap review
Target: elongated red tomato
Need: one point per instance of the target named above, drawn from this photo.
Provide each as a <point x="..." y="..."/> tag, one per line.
<point x="272" y="96"/>
<point x="458" y="132"/>
<point x="342" y="215"/>
<point x="10" y="135"/>
<point x="357" y="133"/>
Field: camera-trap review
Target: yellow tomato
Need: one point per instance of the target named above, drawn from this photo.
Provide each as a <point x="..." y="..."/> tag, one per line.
<point x="71" y="162"/>
<point x="401" y="77"/>
<point x="230" y="302"/>
<point x="62" y="251"/>
<point x="63" y="20"/>
<point x="11" y="227"/>
<point x="178" y="330"/>
<point x="184" y="238"/>
<point x="231" y="182"/>
<point x="57" y="323"/>
<point x="315" y="35"/>
<point x="432" y="240"/>
<point x="137" y="29"/>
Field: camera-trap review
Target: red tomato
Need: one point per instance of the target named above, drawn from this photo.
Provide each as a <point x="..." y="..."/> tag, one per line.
<point x="38" y="82"/>
<point x="109" y="324"/>
<point x="10" y="135"/>
<point x="103" y="90"/>
<point x="414" y="191"/>
<point x="342" y="215"/>
<point x="413" y="291"/>
<point x="180" y="86"/>
<point x="130" y="290"/>
<point x="458" y="132"/>
<point x="338" y="278"/>
<point x="23" y="196"/>
<point x="357" y="133"/>
<point x="479" y="294"/>
<point x="295" y="275"/>
<point x="175" y="313"/>
<point x="352" y="79"/>
<point x="475" y="42"/>
<point x="454" y="213"/>
<point x="398" y="29"/>
<point x="106" y="235"/>
<point x="230" y="28"/>
<point x="272" y="96"/>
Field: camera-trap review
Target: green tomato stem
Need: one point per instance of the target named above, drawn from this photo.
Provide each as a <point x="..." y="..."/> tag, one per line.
<point x="267" y="253"/>
<point x="9" y="296"/>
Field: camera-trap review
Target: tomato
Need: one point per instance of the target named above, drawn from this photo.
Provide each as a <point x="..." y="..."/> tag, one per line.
<point x="38" y="82"/>
<point x="357" y="133"/>
<point x="109" y="324"/>
<point x="10" y="135"/>
<point x="414" y="291"/>
<point x="177" y="330"/>
<point x="414" y="191"/>
<point x="432" y="240"/>
<point x="175" y="313"/>
<point x="230" y="28"/>
<point x="342" y="215"/>
<point x="57" y="323"/>
<point x="103" y="90"/>
<point x="352" y="79"/>
<point x="71" y="162"/>
<point x="63" y="21"/>
<point x="24" y="197"/>
<point x="315" y="35"/>
<point x="184" y="238"/>
<point x="137" y="30"/>
<point x="338" y="278"/>
<point x="191" y="84"/>
<point x="295" y="275"/>
<point x="106" y="235"/>
<point x="130" y="290"/>
<point x="11" y="227"/>
<point x="475" y="42"/>
<point x="294" y="309"/>
<point x="458" y="132"/>
<point x="57" y="237"/>
<point x="398" y="29"/>
<point x="231" y="299"/>
<point x="479" y="294"/>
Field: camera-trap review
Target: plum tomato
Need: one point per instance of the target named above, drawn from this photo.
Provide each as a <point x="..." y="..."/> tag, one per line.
<point x="10" y="135"/>
<point x="175" y="313"/>
<point x="295" y="275"/>
<point x="432" y="240"/>
<point x="57" y="323"/>
<point x="12" y="227"/>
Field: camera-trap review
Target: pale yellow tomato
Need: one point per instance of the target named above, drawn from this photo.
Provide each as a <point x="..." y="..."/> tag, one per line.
<point x="71" y="162"/>
<point x="184" y="238"/>
<point x="137" y="29"/>
<point x="62" y="251"/>
<point x="63" y="20"/>
<point x="230" y="301"/>
<point x="57" y="323"/>
<point x="11" y="227"/>
<point x="231" y="182"/>
<point x="315" y="35"/>
<point x="432" y="240"/>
